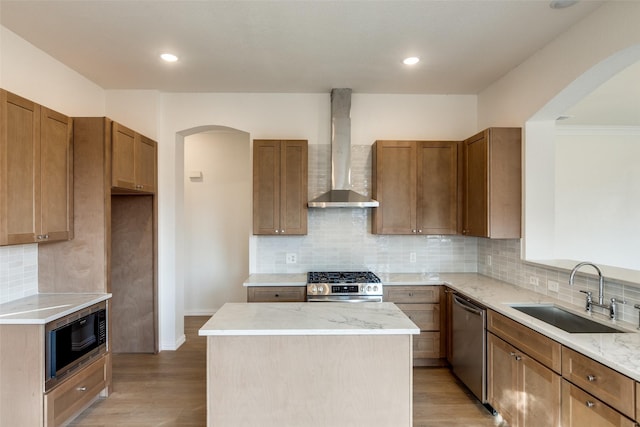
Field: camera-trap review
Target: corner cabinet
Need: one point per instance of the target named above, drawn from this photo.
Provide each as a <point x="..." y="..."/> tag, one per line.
<point x="134" y="160"/>
<point x="280" y="187"/>
<point x="492" y="177"/>
<point x="417" y="187"/>
<point x="36" y="172"/>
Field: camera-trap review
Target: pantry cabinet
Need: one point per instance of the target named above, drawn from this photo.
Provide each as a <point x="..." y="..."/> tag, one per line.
<point x="422" y="304"/>
<point x="134" y="160"/>
<point x="492" y="177"/>
<point x="36" y="172"/>
<point x="115" y="245"/>
<point x="416" y="183"/>
<point x="280" y="187"/>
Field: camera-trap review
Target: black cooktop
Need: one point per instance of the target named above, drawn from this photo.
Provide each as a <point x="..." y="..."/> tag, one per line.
<point x="342" y="277"/>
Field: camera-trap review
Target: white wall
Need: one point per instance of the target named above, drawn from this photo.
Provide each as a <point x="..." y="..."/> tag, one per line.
<point x="218" y="220"/>
<point x="598" y="195"/>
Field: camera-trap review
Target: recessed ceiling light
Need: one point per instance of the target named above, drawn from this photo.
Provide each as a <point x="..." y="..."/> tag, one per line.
<point x="169" y="57"/>
<point x="412" y="60"/>
<point x="561" y="4"/>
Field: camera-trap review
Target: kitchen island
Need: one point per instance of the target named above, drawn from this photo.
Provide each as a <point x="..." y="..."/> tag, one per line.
<point x="295" y="364"/>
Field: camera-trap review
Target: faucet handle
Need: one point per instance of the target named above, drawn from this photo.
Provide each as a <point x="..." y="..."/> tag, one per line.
<point x="589" y="293"/>
<point x="638" y="307"/>
<point x="589" y="301"/>
<point x="613" y="308"/>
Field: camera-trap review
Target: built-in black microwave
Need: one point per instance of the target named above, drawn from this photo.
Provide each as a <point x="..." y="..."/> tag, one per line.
<point x="73" y="341"/>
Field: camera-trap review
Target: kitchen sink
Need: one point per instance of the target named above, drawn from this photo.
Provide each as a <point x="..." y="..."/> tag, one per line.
<point x="564" y="319"/>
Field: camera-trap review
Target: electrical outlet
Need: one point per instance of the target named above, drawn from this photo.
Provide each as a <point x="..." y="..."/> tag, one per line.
<point x="292" y="258"/>
<point x="489" y="260"/>
<point x="552" y="285"/>
<point x="533" y="280"/>
<point x="412" y="257"/>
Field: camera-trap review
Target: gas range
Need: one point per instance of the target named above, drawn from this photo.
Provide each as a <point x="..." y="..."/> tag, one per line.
<point x="343" y="286"/>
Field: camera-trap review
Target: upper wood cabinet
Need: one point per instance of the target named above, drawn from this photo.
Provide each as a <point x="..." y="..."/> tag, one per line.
<point x="492" y="176"/>
<point x="280" y="187"/>
<point x="416" y="183"/>
<point x="36" y="172"/>
<point x="134" y="160"/>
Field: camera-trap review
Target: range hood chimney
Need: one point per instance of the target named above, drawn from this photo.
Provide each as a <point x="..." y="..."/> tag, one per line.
<point x="341" y="195"/>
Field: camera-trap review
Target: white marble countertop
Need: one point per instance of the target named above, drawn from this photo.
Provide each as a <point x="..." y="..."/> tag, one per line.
<point x="44" y="308"/>
<point x="618" y="351"/>
<point x="309" y="319"/>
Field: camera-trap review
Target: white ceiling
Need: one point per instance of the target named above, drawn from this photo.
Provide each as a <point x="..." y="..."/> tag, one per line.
<point x="292" y="46"/>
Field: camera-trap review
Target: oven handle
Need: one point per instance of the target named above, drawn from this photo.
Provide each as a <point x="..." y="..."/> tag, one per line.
<point x="358" y="300"/>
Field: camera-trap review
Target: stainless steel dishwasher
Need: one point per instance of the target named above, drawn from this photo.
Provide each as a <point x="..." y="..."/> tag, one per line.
<point x="469" y="355"/>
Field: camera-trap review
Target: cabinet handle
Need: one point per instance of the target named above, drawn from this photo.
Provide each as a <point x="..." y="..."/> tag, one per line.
<point x="410" y="294"/>
<point x="277" y="295"/>
<point x="590" y="404"/>
<point x="518" y="358"/>
<point x="81" y="389"/>
<point x="282" y="231"/>
<point x="591" y="378"/>
<point x="277" y="231"/>
<point x="419" y="231"/>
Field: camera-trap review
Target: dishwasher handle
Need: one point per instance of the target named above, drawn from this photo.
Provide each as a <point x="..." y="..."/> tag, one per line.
<point x="465" y="305"/>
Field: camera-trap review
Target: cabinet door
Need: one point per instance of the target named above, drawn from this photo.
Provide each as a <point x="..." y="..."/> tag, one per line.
<point x="20" y="166"/>
<point x="580" y="409"/>
<point x="539" y="389"/>
<point x="437" y="169"/>
<point x="502" y="378"/>
<point x="293" y="187"/>
<point x="123" y="157"/>
<point x="56" y="158"/>
<point x="476" y="193"/>
<point x="395" y="187"/>
<point x="266" y="187"/>
<point x="145" y="164"/>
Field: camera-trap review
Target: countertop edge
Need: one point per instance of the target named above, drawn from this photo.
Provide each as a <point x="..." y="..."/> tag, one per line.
<point x="58" y="306"/>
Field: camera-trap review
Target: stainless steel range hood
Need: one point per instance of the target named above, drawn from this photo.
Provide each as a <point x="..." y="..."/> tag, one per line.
<point x="341" y="195"/>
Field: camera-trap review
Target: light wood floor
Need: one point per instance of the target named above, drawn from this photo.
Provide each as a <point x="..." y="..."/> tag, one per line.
<point x="169" y="389"/>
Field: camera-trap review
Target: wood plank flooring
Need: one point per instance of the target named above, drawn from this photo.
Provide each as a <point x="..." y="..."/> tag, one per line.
<point x="168" y="389"/>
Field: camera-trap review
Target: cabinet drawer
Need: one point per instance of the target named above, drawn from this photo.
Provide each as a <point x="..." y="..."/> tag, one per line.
<point x="412" y="294"/>
<point x="604" y="383"/>
<point x="74" y="394"/>
<point x="582" y="409"/>
<point x="638" y="402"/>
<point x="426" y="345"/>
<point x="536" y="345"/>
<point x="277" y="294"/>
<point x="425" y="316"/>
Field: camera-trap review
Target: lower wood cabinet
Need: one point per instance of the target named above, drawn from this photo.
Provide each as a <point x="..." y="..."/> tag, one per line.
<point x="74" y="395"/>
<point x="522" y="390"/>
<point x="276" y="294"/>
<point x="580" y="409"/>
<point x="421" y="304"/>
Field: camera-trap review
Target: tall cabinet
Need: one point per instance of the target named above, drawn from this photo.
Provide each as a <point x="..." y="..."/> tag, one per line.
<point x="115" y="244"/>
<point x="416" y="183"/>
<point x="36" y="167"/>
<point x="280" y="187"/>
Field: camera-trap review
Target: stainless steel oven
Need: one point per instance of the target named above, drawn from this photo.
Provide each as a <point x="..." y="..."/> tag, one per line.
<point x="344" y="286"/>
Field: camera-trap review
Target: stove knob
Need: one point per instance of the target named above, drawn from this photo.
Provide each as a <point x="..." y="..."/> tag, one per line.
<point x="375" y="288"/>
<point x="314" y="289"/>
<point x="369" y="288"/>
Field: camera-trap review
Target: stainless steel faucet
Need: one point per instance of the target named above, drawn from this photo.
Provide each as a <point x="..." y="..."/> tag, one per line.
<point x="613" y="307"/>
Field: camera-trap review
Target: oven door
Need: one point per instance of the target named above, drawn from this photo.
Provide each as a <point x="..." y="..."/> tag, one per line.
<point x="344" y="298"/>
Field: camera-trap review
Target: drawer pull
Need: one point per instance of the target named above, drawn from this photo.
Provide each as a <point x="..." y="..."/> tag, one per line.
<point x="590" y="404"/>
<point x="591" y="378"/>
<point x="81" y="389"/>
<point x="277" y="295"/>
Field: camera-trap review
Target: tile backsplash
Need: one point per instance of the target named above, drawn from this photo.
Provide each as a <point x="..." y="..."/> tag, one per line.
<point x="18" y="271"/>
<point x="506" y="265"/>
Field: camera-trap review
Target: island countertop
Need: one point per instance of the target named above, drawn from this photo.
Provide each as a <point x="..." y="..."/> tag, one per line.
<point x="309" y="319"/>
